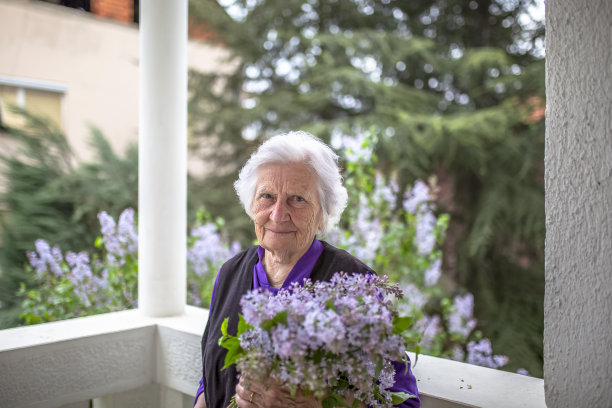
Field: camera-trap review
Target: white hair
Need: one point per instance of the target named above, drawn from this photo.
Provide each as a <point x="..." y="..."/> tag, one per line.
<point x="298" y="147"/>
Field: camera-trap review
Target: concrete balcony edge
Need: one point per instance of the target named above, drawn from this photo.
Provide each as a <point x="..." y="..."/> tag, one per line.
<point x="59" y="363"/>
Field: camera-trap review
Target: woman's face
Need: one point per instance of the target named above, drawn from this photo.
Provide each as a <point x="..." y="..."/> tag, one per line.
<point x="286" y="209"/>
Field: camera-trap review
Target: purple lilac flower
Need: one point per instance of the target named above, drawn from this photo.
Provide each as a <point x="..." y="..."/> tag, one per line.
<point x="209" y="251"/>
<point x="126" y="231"/>
<point x="46" y="258"/>
<point x="80" y="268"/>
<point x="413" y="298"/>
<point x="522" y="371"/>
<point x="481" y="354"/>
<point x="366" y="233"/>
<point x="235" y="248"/>
<point x="432" y="274"/>
<point x="120" y="240"/>
<point x="461" y="320"/>
<point x="417" y="197"/>
<point x="348" y="316"/>
<point x="194" y="299"/>
<point x="430" y="327"/>
<point x="101" y="282"/>
<point x="424" y="236"/>
<point x="86" y="285"/>
<point x="384" y="192"/>
<point x="354" y="149"/>
<point x="458" y="354"/>
<point x="107" y="224"/>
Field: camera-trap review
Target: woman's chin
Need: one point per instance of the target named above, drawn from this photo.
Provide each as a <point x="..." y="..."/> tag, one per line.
<point x="279" y="245"/>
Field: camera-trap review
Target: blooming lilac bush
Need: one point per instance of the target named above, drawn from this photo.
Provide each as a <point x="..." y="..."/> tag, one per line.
<point x="75" y="284"/>
<point x="207" y="250"/>
<point x="399" y="234"/>
<point x="335" y="339"/>
<point x="78" y="284"/>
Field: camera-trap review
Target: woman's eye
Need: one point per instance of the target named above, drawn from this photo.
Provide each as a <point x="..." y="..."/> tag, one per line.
<point x="266" y="196"/>
<point x="298" y="198"/>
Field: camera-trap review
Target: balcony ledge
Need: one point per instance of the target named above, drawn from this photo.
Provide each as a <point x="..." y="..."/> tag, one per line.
<point x="61" y="363"/>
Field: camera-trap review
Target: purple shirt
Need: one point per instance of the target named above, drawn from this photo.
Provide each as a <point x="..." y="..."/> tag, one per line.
<point x="302" y="269"/>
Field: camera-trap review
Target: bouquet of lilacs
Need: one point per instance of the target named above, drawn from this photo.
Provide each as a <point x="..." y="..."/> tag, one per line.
<point x="333" y="339"/>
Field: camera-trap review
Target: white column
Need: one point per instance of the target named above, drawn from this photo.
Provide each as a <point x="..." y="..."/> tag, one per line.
<point x="578" y="301"/>
<point x="162" y="150"/>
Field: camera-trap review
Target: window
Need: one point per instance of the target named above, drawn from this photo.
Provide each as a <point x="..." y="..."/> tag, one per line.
<point x="37" y="97"/>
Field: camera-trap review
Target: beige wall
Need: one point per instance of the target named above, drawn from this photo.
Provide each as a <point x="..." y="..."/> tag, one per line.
<point x="95" y="59"/>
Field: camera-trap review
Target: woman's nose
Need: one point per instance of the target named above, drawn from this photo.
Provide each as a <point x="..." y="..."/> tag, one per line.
<point x="279" y="211"/>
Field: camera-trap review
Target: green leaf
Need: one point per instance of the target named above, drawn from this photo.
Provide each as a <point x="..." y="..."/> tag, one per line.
<point x="402" y="323"/>
<point x="334" y="400"/>
<point x="399" y="397"/>
<point x="280" y="317"/>
<point x="318" y="356"/>
<point x="234" y="351"/>
<point x="224" y="331"/>
<point x="242" y="325"/>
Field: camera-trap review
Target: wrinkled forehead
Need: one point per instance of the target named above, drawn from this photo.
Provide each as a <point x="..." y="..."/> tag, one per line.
<point x="293" y="177"/>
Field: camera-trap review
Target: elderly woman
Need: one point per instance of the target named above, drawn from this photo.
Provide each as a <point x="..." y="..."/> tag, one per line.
<point x="292" y="189"/>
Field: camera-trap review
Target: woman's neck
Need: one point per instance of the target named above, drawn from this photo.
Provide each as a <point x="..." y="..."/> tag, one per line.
<point x="278" y="266"/>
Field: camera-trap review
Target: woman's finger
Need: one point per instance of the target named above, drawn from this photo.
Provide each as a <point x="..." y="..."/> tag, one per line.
<point x="244" y="396"/>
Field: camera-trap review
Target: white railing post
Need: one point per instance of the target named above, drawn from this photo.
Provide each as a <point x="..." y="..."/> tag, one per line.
<point x="162" y="185"/>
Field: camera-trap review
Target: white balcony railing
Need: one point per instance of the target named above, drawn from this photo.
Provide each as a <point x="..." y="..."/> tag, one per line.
<point x="124" y="359"/>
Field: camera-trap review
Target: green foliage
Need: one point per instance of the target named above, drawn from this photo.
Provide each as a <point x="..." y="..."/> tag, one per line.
<point x="400" y="236"/>
<point x="445" y="85"/>
<point x="75" y="285"/>
<point x="59" y="297"/>
<point x="49" y="196"/>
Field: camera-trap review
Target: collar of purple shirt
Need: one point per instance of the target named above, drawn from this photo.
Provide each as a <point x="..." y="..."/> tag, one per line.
<point x="301" y="270"/>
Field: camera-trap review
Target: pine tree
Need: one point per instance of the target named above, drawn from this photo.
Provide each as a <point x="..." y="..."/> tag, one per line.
<point x="453" y="89"/>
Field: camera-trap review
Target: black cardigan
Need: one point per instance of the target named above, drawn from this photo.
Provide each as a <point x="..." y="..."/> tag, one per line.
<point x="234" y="280"/>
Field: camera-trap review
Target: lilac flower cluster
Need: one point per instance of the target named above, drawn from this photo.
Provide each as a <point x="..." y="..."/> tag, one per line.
<point x="481" y="353"/>
<point x="417" y="197"/>
<point x="367" y="227"/>
<point x="461" y="319"/>
<point x="377" y="236"/>
<point x="209" y="250"/>
<point x="357" y="148"/>
<point x="120" y="240"/>
<point x="46" y="259"/>
<point x="417" y="202"/>
<point x="51" y="267"/>
<point x="75" y="284"/>
<point x="83" y="280"/>
<point x="325" y="336"/>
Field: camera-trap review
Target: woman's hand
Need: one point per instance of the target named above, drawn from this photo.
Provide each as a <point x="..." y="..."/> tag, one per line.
<point x="253" y="394"/>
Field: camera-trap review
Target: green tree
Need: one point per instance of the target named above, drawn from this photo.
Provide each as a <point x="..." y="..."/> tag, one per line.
<point x="50" y="196"/>
<point x="452" y="89"/>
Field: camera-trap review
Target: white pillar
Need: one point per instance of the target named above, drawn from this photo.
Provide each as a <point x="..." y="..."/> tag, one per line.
<point x="162" y="151"/>
<point x="578" y="301"/>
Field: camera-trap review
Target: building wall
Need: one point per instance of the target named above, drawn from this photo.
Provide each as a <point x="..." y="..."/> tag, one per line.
<point x="578" y="302"/>
<point x="120" y="10"/>
<point x="96" y="59"/>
